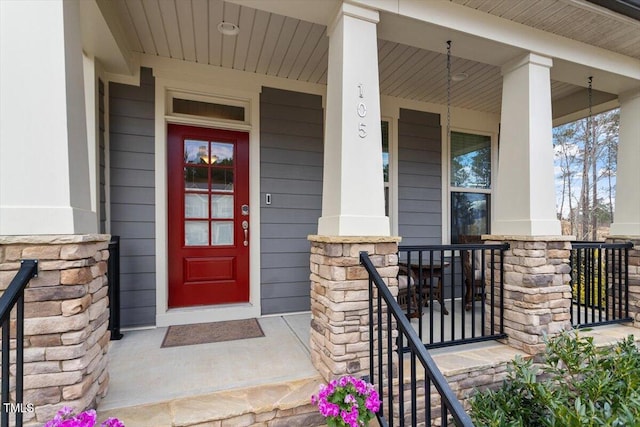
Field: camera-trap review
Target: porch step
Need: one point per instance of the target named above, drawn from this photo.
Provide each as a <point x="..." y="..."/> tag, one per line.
<point x="270" y="405"/>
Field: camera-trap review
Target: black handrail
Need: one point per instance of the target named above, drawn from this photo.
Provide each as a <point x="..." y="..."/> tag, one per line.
<point x="113" y="277"/>
<point x="599" y="283"/>
<point x="446" y="273"/>
<point x="14" y="297"/>
<point x="449" y="402"/>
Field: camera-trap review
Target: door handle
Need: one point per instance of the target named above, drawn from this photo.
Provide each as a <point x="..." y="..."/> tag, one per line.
<point x="245" y="227"/>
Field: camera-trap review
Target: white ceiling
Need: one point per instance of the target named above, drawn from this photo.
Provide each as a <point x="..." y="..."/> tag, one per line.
<point x="574" y="19"/>
<point x="286" y="47"/>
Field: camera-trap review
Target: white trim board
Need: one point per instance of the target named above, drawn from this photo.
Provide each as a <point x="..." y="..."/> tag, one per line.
<point x="164" y="315"/>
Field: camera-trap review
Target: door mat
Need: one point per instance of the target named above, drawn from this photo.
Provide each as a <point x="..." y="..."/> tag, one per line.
<point x="205" y="333"/>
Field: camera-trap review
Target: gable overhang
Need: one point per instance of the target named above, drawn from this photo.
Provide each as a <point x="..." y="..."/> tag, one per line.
<point x="103" y="38"/>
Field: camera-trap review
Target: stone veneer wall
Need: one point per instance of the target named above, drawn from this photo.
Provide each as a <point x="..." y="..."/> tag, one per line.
<point x="537" y="294"/>
<point x="464" y="384"/>
<point x="305" y="415"/>
<point x="66" y="319"/>
<point x="634" y="275"/>
<point x="340" y="300"/>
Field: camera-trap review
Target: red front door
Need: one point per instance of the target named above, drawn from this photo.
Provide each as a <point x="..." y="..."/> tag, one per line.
<point x="208" y="216"/>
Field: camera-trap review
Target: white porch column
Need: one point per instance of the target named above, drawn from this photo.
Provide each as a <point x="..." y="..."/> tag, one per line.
<point x="353" y="189"/>
<point x="627" y="208"/>
<point x="44" y="172"/>
<point x="525" y="193"/>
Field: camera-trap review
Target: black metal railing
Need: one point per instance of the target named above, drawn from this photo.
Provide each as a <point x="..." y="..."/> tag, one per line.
<point x="113" y="276"/>
<point x="12" y="298"/>
<point x="424" y="395"/>
<point x="599" y="283"/>
<point x="453" y="293"/>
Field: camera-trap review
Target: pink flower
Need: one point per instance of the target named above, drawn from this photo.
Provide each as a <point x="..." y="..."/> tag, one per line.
<point x="65" y="418"/>
<point x="112" y="422"/>
<point x="350" y="399"/>
<point x="373" y="402"/>
<point x="347" y="402"/>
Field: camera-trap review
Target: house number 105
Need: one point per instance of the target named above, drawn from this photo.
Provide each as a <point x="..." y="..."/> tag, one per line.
<point x="362" y="112"/>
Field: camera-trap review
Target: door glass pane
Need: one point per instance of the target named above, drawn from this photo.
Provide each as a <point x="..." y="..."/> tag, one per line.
<point x="221" y="179"/>
<point x="196" y="233"/>
<point x="196" y="152"/>
<point x="221" y="206"/>
<point x="470" y="160"/>
<point x="196" y="179"/>
<point x="196" y="206"/>
<point x="221" y="233"/>
<point x="469" y="214"/>
<point x="222" y="154"/>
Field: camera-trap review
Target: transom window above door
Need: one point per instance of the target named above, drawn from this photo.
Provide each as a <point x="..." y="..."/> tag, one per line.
<point x="201" y="108"/>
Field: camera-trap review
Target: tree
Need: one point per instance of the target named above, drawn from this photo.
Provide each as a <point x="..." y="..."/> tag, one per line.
<point x="586" y="154"/>
<point x="566" y="160"/>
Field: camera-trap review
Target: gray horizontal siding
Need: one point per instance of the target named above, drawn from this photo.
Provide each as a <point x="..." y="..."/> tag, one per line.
<point x="132" y="316"/>
<point x="271" y="290"/>
<point x="129" y="160"/>
<point x="280" y="305"/>
<point x="275" y="260"/>
<point x="290" y="171"/>
<point x="290" y="142"/>
<point x="132" y="176"/>
<point x="139" y="264"/>
<point x="419" y="178"/>
<point x="291" y="158"/>
<point x="139" y="282"/>
<point x="143" y="195"/>
<point x="131" y="143"/>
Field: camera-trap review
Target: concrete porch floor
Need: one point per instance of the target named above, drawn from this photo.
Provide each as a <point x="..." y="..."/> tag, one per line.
<point x="141" y="372"/>
<point x="192" y="385"/>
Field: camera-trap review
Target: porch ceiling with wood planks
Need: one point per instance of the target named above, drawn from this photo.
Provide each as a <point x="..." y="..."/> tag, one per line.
<point x="282" y="46"/>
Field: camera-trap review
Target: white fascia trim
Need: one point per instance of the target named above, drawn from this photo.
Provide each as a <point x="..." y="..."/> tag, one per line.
<point x="210" y="75"/>
<point x="530" y="58"/>
<point x="114" y="28"/>
<point x="581" y="114"/>
<point x="353" y="11"/>
<point x="391" y="114"/>
<point x="215" y="86"/>
<point x="107" y="158"/>
<point x="630" y="94"/>
<point x="91" y="95"/>
<point x="126" y="79"/>
<point x="161" y="205"/>
<point x="461" y="118"/>
<point x="476" y="23"/>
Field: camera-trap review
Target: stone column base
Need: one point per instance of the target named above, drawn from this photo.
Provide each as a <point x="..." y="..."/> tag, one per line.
<point x="340" y="300"/>
<point x="537" y="293"/>
<point x="66" y="319"/>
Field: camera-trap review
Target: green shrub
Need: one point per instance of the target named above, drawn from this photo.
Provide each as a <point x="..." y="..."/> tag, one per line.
<point x="577" y="385"/>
